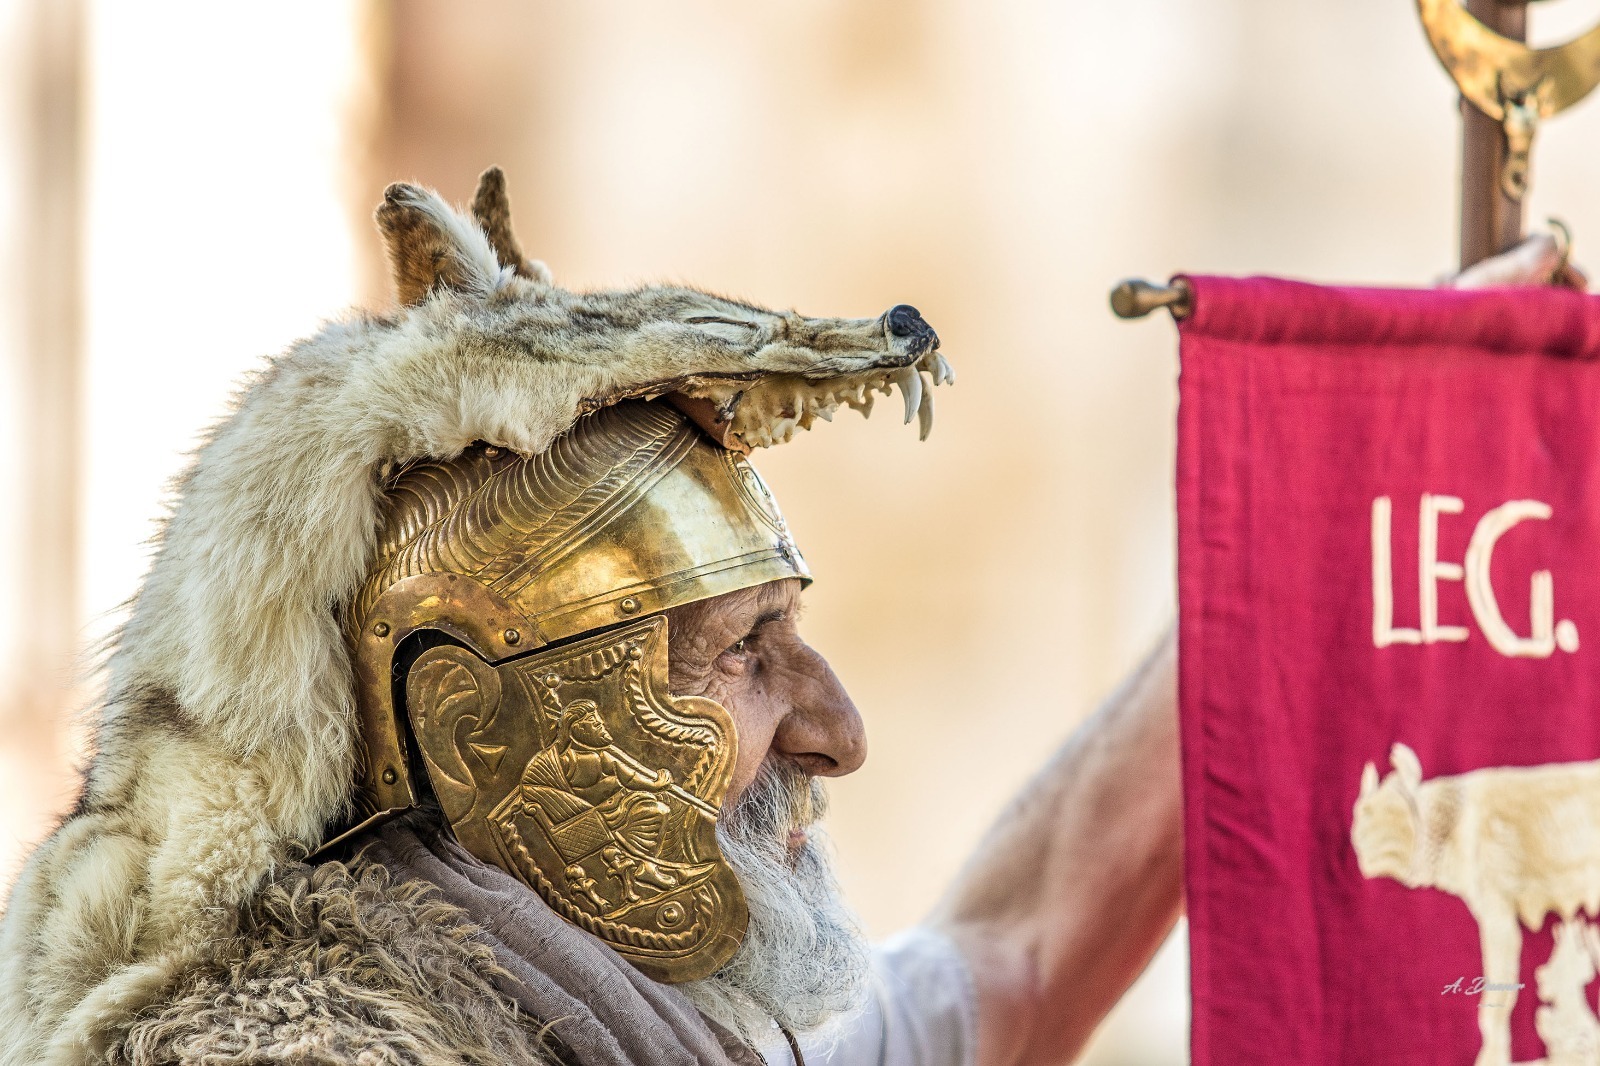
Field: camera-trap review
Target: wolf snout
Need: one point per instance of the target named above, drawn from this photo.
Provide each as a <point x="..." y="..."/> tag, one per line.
<point x="907" y="322"/>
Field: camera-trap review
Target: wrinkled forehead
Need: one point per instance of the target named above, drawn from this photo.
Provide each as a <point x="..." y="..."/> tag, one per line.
<point x="736" y="612"/>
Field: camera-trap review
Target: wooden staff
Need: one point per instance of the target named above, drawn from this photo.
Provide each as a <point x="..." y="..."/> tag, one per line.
<point x="1491" y="221"/>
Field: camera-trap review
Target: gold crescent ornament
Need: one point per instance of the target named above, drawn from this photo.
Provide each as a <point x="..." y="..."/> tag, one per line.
<point x="1490" y="68"/>
<point x="1517" y="85"/>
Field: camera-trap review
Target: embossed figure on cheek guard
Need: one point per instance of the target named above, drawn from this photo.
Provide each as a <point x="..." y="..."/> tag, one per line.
<point x="615" y="829"/>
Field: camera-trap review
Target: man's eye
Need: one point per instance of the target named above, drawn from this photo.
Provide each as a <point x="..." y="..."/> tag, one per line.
<point x="716" y="320"/>
<point x="727" y="330"/>
<point x="742" y="647"/>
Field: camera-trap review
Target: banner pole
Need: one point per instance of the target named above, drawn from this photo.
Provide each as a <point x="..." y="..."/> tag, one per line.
<point x="1491" y="221"/>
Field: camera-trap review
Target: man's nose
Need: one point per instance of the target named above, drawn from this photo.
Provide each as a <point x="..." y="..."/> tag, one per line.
<point x="906" y="321"/>
<point x="823" y="731"/>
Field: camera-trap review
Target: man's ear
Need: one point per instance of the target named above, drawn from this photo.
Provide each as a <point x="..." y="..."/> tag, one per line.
<point x="430" y="246"/>
<point x="491" y="208"/>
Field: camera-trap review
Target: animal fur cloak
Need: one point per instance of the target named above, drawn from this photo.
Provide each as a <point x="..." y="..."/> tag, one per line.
<point x="226" y="740"/>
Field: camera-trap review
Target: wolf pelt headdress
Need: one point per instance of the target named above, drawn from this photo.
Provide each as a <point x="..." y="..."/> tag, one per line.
<point x="226" y="740"/>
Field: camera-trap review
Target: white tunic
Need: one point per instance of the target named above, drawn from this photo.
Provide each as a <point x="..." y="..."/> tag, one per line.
<point x="922" y="1012"/>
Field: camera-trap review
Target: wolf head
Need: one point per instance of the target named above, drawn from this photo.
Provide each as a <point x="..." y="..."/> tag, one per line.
<point x="1388" y="827"/>
<point x="759" y="374"/>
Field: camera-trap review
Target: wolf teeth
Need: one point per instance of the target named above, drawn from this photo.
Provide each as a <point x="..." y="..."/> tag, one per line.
<point x="771" y="412"/>
<point x="909" y="382"/>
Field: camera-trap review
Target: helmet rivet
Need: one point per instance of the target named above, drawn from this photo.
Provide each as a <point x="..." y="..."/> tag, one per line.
<point x="513" y="637"/>
<point x="635" y="652"/>
<point x="389" y="776"/>
<point x="381" y="629"/>
<point x="630" y="605"/>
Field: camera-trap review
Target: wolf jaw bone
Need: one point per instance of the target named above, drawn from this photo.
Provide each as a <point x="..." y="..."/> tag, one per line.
<point x="772" y="408"/>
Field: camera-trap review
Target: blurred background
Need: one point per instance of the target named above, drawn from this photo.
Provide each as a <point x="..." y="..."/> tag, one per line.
<point x="186" y="187"/>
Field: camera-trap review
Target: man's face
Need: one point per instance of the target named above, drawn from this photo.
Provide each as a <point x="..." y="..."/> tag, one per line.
<point x="589" y="730"/>
<point x="803" y="959"/>
<point x="743" y="649"/>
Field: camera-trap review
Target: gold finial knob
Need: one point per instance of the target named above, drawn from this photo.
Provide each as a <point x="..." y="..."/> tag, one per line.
<point x="1136" y="298"/>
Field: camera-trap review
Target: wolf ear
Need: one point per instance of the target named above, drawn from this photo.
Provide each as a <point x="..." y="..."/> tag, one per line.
<point x="491" y="208"/>
<point x="1406" y="764"/>
<point x="431" y="247"/>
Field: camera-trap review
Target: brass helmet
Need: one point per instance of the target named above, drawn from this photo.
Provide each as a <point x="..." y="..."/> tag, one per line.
<point x="508" y="643"/>
<point x="509" y="648"/>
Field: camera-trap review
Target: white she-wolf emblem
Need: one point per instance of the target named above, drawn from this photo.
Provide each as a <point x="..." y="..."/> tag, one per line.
<point x="1515" y="844"/>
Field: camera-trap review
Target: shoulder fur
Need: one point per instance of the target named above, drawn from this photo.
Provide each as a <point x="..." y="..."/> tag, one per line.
<point x="326" y="969"/>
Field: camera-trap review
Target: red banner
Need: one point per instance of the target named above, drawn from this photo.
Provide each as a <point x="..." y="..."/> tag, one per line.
<point x="1389" y="559"/>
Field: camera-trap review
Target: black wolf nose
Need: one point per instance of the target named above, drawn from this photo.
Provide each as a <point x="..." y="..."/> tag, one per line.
<point x="906" y="321"/>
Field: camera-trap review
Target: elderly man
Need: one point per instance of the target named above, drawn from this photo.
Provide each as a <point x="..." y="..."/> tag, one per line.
<point x="464" y="717"/>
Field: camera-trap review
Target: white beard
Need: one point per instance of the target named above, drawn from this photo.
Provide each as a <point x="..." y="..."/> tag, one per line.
<point x="804" y="960"/>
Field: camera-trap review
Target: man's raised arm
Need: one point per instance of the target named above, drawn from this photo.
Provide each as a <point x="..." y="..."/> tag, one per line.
<point x="1063" y="904"/>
